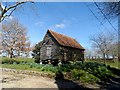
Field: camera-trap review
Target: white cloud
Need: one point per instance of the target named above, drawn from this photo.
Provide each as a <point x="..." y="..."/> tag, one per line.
<point x="56" y="26"/>
<point x="60" y="25"/>
<point x="39" y="23"/>
<point x="65" y="23"/>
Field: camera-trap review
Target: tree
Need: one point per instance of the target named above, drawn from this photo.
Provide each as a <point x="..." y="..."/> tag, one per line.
<point x="36" y="52"/>
<point x="14" y="38"/>
<point x="0" y="42"/>
<point x="88" y="54"/>
<point x="110" y="9"/>
<point x="7" y="10"/>
<point x="114" y="50"/>
<point x="103" y="43"/>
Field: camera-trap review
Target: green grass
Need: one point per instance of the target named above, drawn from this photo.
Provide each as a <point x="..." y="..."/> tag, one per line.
<point x="87" y="72"/>
<point x="16" y="66"/>
<point x="28" y="67"/>
<point x="83" y="76"/>
<point x="6" y="60"/>
<point x="20" y="67"/>
<point x="29" y="60"/>
<point x="115" y="64"/>
<point x="77" y="74"/>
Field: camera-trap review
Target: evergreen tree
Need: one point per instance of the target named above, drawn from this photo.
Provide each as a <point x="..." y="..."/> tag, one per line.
<point x="36" y="52"/>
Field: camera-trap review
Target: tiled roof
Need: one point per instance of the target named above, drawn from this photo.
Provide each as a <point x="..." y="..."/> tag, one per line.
<point x="65" y="40"/>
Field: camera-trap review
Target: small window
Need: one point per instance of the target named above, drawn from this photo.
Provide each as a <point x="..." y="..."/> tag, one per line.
<point x="48" y="52"/>
<point x="65" y="56"/>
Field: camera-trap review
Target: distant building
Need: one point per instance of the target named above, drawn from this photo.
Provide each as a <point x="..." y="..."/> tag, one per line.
<point x="60" y="48"/>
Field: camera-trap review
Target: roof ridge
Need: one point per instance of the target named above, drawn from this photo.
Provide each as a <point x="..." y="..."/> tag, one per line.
<point x="61" y="34"/>
<point x="65" y="40"/>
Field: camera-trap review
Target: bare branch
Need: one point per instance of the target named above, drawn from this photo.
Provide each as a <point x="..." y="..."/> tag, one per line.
<point x="12" y="7"/>
<point x="104" y="43"/>
<point x="17" y="4"/>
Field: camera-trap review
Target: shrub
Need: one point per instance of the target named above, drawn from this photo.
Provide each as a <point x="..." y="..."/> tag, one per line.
<point x="49" y="68"/>
<point x="41" y="67"/>
<point x="89" y="71"/>
<point x="14" y="63"/>
<point x="66" y="68"/>
<point x="83" y="76"/>
<point x="77" y="73"/>
<point x="35" y="65"/>
<point x="89" y="78"/>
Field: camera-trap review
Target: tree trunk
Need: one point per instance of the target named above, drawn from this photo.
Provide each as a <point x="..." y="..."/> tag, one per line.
<point x="107" y="56"/>
<point x="104" y="58"/>
<point x="18" y="54"/>
<point x="7" y="52"/>
<point x="89" y="57"/>
<point x="11" y="53"/>
<point x="119" y="54"/>
<point x="113" y="56"/>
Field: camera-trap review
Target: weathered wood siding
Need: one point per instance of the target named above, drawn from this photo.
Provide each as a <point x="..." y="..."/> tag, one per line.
<point x="49" y="40"/>
<point x="71" y="54"/>
<point x="59" y="52"/>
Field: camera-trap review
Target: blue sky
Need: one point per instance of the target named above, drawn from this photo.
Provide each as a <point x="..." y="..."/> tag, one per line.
<point x="71" y="19"/>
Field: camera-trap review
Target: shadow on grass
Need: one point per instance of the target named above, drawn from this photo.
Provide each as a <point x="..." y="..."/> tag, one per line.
<point x="64" y="84"/>
<point x="109" y="85"/>
<point x="112" y="82"/>
<point x="114" y="70"/>
<point x="108" y="82"/>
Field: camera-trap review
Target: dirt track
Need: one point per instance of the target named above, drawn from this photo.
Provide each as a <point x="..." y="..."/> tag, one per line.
<point x="14" y="80"/>
<point x="21" y="79"/>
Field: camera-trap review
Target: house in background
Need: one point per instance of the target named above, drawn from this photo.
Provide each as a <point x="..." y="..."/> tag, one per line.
<point x="57" y="48"/>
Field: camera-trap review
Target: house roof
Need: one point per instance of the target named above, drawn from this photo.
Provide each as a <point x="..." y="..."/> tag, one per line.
<point x="65" y="40"/>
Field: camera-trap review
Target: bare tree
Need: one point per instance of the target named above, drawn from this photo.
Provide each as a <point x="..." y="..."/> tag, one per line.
<point x="88" y="54"/>
<point x="110" y="9"/>
<point x="7" y="10"/>
<point x="103" y="43"/>
<point x="14" y="38"/>
<point x="0" y="42"/>
<point x="114" y="50"/>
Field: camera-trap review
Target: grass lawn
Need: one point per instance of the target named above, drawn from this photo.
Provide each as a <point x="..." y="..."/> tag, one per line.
<point x="23" y="67"/>
<point x="115" y="64"/>
<point x="18" y="59"/>
<point x="87" y="72"/>
<point x="16" y="66"/>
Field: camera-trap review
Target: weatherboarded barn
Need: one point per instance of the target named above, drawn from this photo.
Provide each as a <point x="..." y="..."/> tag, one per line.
<point x="60" y="48"/>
